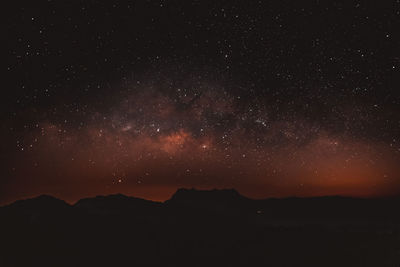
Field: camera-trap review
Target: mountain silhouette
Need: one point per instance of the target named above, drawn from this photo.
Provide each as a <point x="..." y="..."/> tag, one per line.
<point x="42" y="202"/>
<point x="200" y="228"/>
<point x="44" y="209"/>
<point x="115" y="204"/>
<point x="220" y="201"/>
<point x="184" y="195"/>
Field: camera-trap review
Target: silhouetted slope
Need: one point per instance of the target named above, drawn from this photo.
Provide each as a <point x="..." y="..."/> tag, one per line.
<point x="113" y="204"/>
<point x="192" y="196"/>
<point x="43" y="202"/>
<point x="41" y="209"/>
<point x="220" y="202"/>
<point x="331" y="207"/>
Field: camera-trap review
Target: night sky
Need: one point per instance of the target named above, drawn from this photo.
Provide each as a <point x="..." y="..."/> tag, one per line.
<point x="272" y="98"/>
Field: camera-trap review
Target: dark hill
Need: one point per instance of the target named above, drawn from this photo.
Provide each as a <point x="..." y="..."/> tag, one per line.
<point x="202" y="205"/>
<point x="215" y="195"/>
<point x="42" y="202"/>
<point x="43" y="209"/>
<point x="115" y="204"/>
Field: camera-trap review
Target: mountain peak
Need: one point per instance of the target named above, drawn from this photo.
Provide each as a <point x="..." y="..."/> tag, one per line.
<point x="113" y="202"/>
<point x="43" y="201"/>
<point x="214" y="195"/>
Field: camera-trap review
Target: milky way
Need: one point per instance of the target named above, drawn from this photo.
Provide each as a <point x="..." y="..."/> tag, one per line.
<point x="256" y="97"/>
<point x="152" y="141"/>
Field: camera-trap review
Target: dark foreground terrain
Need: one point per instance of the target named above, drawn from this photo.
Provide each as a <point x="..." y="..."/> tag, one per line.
<point x="201" y="228"/>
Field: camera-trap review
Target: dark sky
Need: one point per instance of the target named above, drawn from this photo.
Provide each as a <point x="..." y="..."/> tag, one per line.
<point x="273" y="98"/>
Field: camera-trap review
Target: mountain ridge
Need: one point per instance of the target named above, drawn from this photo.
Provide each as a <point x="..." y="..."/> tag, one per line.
<point x="219" y="202"/>
<point x="200" y="224"/>
<point x="230" y="192"/>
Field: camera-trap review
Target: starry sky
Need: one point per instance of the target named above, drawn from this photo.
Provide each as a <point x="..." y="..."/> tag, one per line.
<point x="273" y="98"/>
